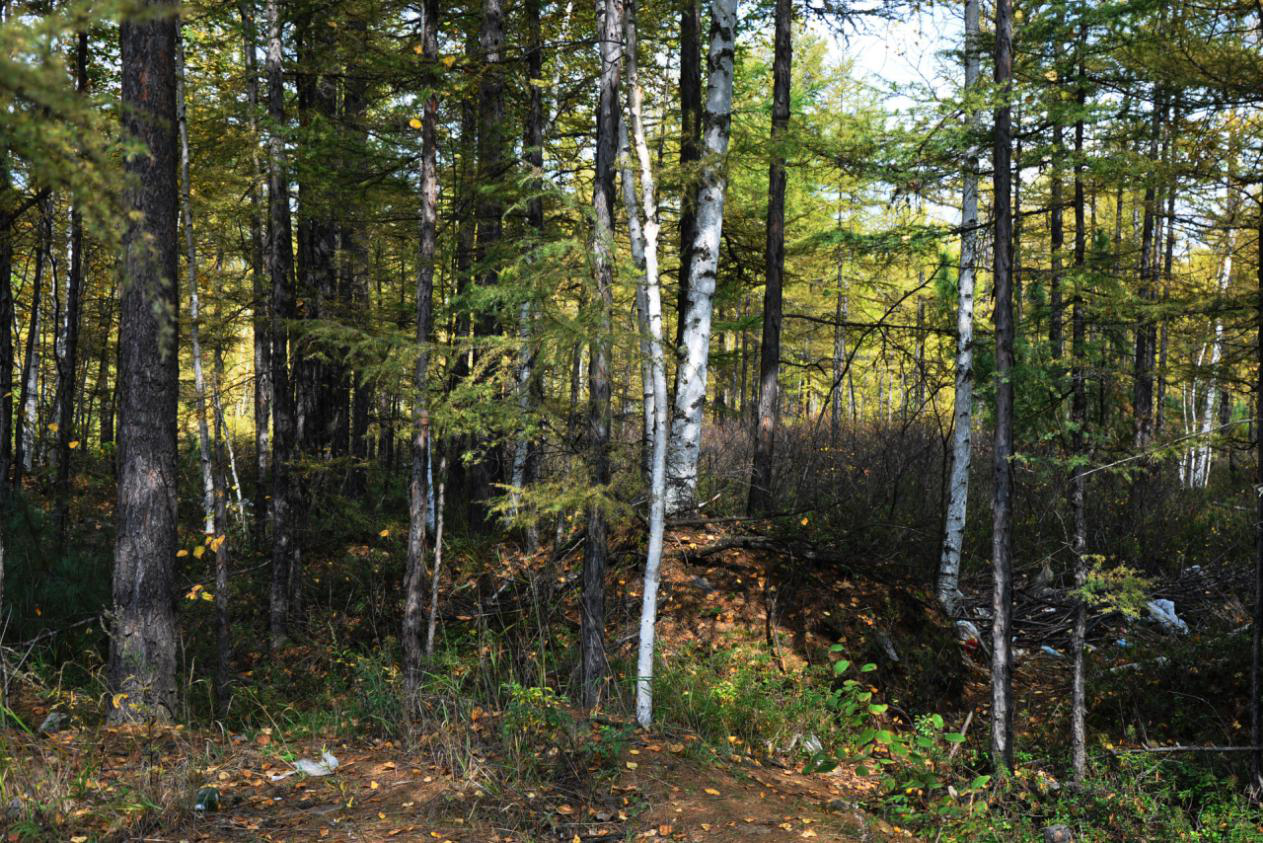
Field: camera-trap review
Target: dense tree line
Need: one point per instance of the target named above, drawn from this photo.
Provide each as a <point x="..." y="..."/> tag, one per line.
<point x="354" y="252"/>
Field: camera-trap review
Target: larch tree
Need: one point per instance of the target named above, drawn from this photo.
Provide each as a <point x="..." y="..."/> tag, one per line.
<point x="418" y="482"/>
<point x="593" y="659"/>
<point x="67" y="360"/>
<point x="261" y="334"/>
<point x="1078" y="421"/>
<point x="760" y="497"/>
<point x="143" y="640"/>
<point x="280" y="272"/>
<point x="1002" y="494"/>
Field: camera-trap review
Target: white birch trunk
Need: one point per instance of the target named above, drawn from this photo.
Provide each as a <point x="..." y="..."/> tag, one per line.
<point x="958" y="484"/>
<point x="694" y="351"/>
<point x="635" y="234"/>
<point x="1200" y="474"/>
<point x="31" y="409"/>
<point x="652" y="298"/>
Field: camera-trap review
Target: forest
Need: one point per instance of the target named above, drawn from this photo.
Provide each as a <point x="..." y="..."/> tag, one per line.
<point x="683" y="420"/>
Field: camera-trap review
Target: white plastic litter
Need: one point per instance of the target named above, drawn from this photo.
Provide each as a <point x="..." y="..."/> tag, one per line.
<point x="1049" y="651"/>
<point x="324" y="767"/>
<point x="966" y="631"/>
<point x="1163" y="611"/>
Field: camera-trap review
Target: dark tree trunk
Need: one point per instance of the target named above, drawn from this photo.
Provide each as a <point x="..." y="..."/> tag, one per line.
<point x="690" y="146"/>
<point x="143" y="639"/>
<point x="418" y="486"/>
<point x="1078" y="484"/>
<point x="105" y="391"/>
<point x="316" y="375"/>
<point x="596" y="549"/>
<point x="261" y="330"/>
<point x="1256" y="652"/>
<point x="1058" y="238"/>
<point x="530" y="384"/>
<point x="487" y="471"/>
<point x="1142" y="394"/>
<point x="1002" y="602"/>
<point x="353" y="426"/>
<point x="6" y="331"/>
<point x="760" y="499"/>
<point x="280" y="270"/>
<point x="68" y="359"/>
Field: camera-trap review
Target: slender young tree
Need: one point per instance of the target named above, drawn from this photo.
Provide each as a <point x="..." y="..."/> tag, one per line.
<point x="760" y="497"/>
<point x="67" y="361"/>
<point x="28" y="403"/>
<point x="195" y="314"/>
<point x="1002" y="600"/>
<point x="489" y="210"/>
<point x="652" y="301"/>
<point x="143" y="640"/>
<point x="523" y="462"/>
<point x="684" y="444"/>
<point x="596" y="550"/>
<point x="963" y="408"/>
<point x="418" y="485"/>
<point x="1256" y="649"/>
<point x="262" y="336"/>
<point x="1078" y="419"/>
<point x="280" y="271"/>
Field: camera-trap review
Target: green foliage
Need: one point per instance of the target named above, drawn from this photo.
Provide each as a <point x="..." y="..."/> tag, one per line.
<point x="1116" y="588"/>
<point x="737" y="698"/>
<point x="915" y="769"/>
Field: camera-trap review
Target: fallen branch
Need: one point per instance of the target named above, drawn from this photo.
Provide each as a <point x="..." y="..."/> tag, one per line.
<point x="1162" y="749"/>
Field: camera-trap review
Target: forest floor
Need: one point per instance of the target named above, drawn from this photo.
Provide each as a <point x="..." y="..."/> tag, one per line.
<point x="381" y="792"/>
<point x="89" y="781"/>
<point x="710" y="772"/>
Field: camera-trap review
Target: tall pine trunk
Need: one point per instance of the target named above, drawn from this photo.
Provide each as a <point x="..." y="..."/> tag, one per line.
<point x="1002" y="500"/>
<point x="760" y="497"/>
<point x="596" y="550"/>
<point x="1078" y="419"/>
<point x="261" y="333"/>
<point x="418" y="484"/>
<point x="68" y="360"/>
<point x="1256" y="651"/>
<point x="280" y="271"/>
<point x="143" y="639"/>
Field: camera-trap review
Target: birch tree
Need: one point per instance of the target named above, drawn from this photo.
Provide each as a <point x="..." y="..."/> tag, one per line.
<point x="693" y="353"/>
<point x="962" y="431"/>
<point x="652" y="308"/>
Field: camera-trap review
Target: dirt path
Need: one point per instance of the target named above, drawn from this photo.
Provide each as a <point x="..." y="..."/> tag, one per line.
<point x="661" y="792"/>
